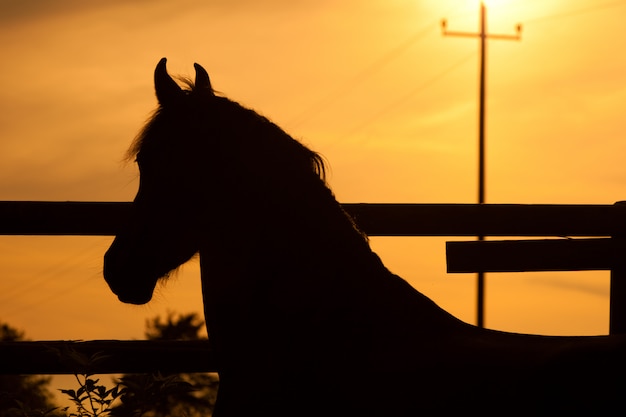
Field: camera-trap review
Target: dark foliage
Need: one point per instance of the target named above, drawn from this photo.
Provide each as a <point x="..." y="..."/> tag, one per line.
<point x="186" y="394"/>
<point x="23" y="395"/>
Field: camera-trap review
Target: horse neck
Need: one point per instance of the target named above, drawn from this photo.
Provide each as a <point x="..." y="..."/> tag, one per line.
<point x="300" y="264"/>
<point x="303" y="237"/>
<point x="309" y="223"/>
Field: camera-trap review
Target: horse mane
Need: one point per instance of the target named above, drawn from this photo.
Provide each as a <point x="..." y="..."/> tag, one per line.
<point x="315" y="160"/>
<point x="300" y="157"/>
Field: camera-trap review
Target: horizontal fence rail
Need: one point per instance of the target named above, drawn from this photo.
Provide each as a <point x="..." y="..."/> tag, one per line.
<point x="519" y="220"/>
<point x="104" y="218"/>
<point x="106" y="357"/>
<point x="534" y="255"/>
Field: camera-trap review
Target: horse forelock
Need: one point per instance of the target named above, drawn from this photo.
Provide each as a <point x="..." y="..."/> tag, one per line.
<point x="138" y="141"/>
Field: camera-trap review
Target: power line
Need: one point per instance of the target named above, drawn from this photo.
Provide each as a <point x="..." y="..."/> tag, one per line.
<point x="53" y="274"/>
<point x="55" y="295"/>
<point x="578" y="12"/>
<point x="373" y="68"/>
<point x="423" y="86"/>
<point x="56" y="270"/>
<point x="323" y="104"/>
<point x="362" y="76"/>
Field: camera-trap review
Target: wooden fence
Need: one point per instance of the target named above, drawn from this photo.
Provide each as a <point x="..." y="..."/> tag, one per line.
<point x="588" y="237"/>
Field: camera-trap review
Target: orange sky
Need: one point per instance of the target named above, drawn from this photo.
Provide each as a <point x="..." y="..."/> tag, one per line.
<point x="372" y="85"/>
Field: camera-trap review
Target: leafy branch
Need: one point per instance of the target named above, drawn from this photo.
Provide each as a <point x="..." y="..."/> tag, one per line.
<point x="91" y="399"/>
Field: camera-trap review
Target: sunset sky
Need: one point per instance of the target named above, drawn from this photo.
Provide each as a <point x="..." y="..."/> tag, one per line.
<point x="372" y="85"/>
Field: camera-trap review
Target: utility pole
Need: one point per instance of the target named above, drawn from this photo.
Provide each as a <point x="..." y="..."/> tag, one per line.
<point x="483" y="36"/>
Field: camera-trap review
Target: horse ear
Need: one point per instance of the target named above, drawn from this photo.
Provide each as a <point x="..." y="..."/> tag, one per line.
<point x="166" y="88"/>
<point x="203" y="83"/>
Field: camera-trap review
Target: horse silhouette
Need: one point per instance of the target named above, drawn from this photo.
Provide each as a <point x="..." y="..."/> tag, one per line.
<point x="303" y="317"/>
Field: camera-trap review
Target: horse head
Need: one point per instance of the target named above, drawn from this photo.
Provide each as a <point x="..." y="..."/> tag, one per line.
<point x="202" y="159"/>
<point x="161" y="233"/>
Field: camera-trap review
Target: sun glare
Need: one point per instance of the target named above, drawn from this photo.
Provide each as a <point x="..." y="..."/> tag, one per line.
<point x="495" y="3"/>
<point x="500" y="10"/>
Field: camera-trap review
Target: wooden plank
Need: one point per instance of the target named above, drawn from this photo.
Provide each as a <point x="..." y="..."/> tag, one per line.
<point x="530" y="255"/>
<point x="104" y="218"/>
<point x="62" y="218"/>
<point x="488" y="219"/>
<point x="118" y="356"/>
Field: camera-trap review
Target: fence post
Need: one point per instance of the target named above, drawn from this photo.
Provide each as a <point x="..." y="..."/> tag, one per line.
<point x="617" y="314"/>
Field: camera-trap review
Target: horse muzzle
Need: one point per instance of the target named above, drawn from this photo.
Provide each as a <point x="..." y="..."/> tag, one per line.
<point x="131" y="285"/>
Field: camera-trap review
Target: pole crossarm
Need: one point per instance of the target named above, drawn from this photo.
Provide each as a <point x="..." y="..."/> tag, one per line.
<point x="516" y="37"/>
<point x="482" y="34"/>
